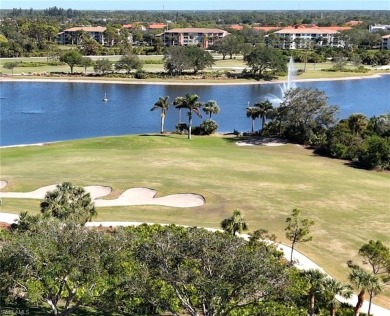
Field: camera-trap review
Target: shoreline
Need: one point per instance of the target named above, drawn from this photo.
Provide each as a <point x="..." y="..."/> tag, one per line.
<point x="178" y="82"/>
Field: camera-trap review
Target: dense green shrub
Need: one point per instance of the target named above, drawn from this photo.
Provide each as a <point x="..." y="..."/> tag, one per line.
<point x="375" y="153"/>
<point x="141" y="74"/>
<point x="207" y="127"/>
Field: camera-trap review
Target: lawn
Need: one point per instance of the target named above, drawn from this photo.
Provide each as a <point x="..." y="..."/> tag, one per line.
<point x="313" y="71"/>
<point x="349" y="206"/>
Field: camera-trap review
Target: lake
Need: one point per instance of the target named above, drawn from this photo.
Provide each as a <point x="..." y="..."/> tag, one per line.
<point x="35" y="112"/>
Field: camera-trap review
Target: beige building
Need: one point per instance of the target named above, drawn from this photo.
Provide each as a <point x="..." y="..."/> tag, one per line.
<point x="72" y="35"/>
<point x="298" y="38"/>
<point x="202" y="37"/>
<point x="385" y="42"/>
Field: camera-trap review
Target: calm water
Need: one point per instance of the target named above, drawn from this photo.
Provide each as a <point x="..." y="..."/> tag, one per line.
<point x="33" y="112"/>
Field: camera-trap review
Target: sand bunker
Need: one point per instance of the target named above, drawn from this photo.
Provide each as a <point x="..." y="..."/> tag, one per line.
<point x="145" y="196"/>
<point x="94" y="191"/>
<point x="262" y="141"/>
<point x="134" y="196"/>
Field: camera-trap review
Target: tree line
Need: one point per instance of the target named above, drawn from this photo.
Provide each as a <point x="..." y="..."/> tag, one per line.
<point x="54" y="260"/>
<point x="34" y="32"/>
<point x="304" y="117"/>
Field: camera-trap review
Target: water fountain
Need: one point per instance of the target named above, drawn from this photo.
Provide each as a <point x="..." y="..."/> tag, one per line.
<point x="278" y="98"/>
<point x="291" y="73"/>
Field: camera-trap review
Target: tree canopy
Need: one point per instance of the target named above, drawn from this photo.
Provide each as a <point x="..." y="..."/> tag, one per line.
<point x="264" y="59"/>
<point x="69" y="202"/>
<point x="72" y="58"/>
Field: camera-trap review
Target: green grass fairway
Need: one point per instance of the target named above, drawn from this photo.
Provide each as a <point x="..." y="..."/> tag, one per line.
<point x="349" y="206"/>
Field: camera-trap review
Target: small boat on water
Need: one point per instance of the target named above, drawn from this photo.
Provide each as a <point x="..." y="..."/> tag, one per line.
<point x="105" y="97"/>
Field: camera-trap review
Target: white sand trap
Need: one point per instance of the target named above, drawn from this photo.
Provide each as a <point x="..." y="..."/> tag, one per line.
<point x="8" y="218"/>
<point x="94" y="191"/>
<point x="97" y="191"/>
<point x="262" y="141"/>
<point x="37" y="194"/>
<point x="134" y="196"/>
<point x="3" y="184"/>
<point x="145" y="196"/>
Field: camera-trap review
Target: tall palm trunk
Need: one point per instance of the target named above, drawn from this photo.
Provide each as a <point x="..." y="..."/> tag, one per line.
<point x="179" y="116"/>
<point x="162" y="122"/>
<point x="370" y="301"/>
<point x="332" y="310"/>
<point x="253" y="125"/>
<point x="311" y="307"/>
<point x="189" y="124"/>
<point x="360" y="301"/>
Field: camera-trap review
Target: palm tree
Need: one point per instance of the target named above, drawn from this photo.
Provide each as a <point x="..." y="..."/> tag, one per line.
<point x="162" y="104"/>
<point x="179" y="104"/>
<point x="333" y="288"/>
<point x="191" y="103"/>
<point x="253" y="113"/>
<point x="68" y="202"/>
<point x="235" y="223"/>
<point x="265" y="109"/>
<point x="316" y="280"/>
<point x="366" y="282"/>
<point x="211" y="107"/>
<point x="357" y="123"/>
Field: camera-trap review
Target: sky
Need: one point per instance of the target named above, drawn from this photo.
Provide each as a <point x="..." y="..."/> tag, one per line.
<point x="199" y="4"/>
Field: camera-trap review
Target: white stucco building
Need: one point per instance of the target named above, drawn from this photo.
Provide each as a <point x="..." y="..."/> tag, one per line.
<point x="298" y="38"/>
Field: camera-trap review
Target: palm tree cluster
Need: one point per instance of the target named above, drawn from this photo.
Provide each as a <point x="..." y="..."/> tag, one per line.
<point x="191" y="103"/>
<point x="262" y="110"/>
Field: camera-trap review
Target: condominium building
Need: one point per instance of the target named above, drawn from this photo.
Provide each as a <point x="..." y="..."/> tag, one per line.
<point x="385" y="42"/>
<point x="73" y="35"/>
<point x="378" y="27"/>
<point x="202" y="37"/>
<point x="298" y="38"/>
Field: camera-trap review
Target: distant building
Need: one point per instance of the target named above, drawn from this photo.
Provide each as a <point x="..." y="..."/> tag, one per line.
<point x="378" y="27"/>
<point x="202" y="37"/>
<point x="385" y="42"/>
<point x="156" y="26"/>
<point x="267" y="28"/>
<point x="298" y="38"/>
<point x="72" y="35"/>
<point x="236" y="27"/>
<point x="135" y="26"/>
<point x="353" y="23"/>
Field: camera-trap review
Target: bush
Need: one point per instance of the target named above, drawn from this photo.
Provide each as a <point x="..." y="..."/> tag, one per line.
<point x="375" y="153"/>
<point x="140" y="74"/>
<point x="181" y="128"/>
<point x="207" y="127"/>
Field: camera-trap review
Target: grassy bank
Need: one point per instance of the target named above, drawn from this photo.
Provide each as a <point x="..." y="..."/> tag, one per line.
<point x="313" y="71"/>
<point x="350" y="206"/>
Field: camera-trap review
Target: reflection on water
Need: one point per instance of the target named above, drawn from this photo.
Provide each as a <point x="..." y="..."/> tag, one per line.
<point x="34" y="112"/>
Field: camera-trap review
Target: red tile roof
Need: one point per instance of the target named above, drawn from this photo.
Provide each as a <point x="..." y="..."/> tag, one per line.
<point x="236" y="27"/>
<point x="157" y="26"/>
<point x="339" y="28"/>
<point x="266" y="28"/>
